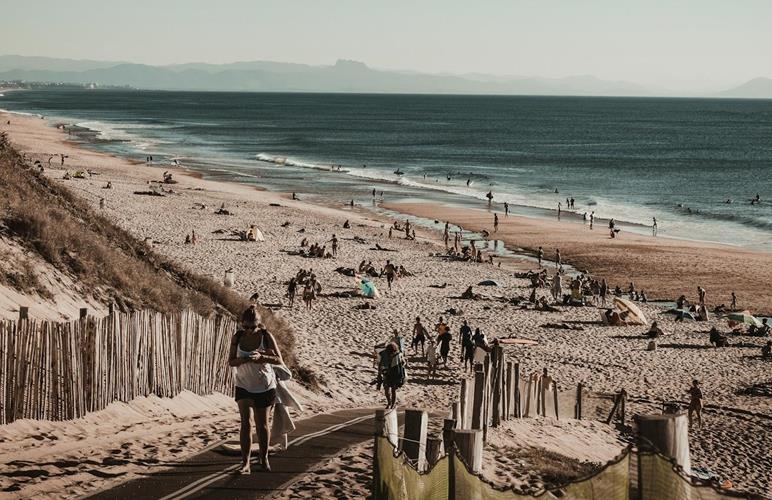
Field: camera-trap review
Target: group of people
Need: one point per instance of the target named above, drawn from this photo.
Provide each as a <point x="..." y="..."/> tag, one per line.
<point x="316" y="250"/>
<point x="305" y="279"/>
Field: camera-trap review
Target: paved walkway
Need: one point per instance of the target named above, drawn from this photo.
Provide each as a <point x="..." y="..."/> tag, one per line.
<point x="212" y="474"/>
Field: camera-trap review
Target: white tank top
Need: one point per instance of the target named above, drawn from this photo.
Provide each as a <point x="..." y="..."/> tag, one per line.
<point x="254" y="377"/>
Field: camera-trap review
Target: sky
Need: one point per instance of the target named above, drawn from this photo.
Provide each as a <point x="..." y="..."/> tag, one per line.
<point x="683" y="45"/>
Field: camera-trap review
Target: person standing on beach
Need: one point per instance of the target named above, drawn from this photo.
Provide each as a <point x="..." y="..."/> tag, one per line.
<point x="592" y="219"/>
<point x="540" y="255"/>
<point x="506" y="209"/>
<point x="456" y="240"/>
<point x="193" y="237"/>
<point x="292" y="288"/>
<point x="495" y="223"/>
<point x="419" y="336"/>
<point x="252" y="352"/>
<point x="446" y="234"/>
<point x="407" y="229"/>
<point x="559" y="206"/>
<point x="733" y="305"/>
<point x="558" y="260"/>
<point x="390" y="271"/>
<point x="443" y="338"/>
<point x="309" y="294"/>
<point x="695" y="403"/>
<point x="654" y="226"/>
<point x="334" y="242"/>
<point x="603" y="292"/>
<point x="701" y="294"/>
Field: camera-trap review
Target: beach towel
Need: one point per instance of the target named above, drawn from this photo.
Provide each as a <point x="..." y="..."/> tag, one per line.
<point x="282" y="423"/>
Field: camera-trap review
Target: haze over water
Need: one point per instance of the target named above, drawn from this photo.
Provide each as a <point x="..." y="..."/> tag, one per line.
<point x="678" y="160"/>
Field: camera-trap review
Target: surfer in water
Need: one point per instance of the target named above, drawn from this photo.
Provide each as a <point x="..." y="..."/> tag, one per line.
<point x="490" y="197"/>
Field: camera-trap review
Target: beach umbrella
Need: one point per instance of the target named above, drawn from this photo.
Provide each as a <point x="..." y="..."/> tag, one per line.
<point x="634" y="315"/>
<point x="488" y="283"/>
<point x="742" y="318"/>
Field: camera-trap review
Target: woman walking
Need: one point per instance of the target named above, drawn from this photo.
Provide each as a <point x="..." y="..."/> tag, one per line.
<point x="393" y="373"/>
<point x="253" y="350"/>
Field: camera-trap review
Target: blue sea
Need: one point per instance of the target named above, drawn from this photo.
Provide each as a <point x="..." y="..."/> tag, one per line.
<point x="679" y="160"/>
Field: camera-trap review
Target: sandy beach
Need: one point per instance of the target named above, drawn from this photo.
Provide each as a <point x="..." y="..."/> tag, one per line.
<point x="335" y="338"/>
<point x="663" y="267"/>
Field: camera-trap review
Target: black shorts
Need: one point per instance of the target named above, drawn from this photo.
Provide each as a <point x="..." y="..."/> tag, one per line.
<point x="259" y="399"/>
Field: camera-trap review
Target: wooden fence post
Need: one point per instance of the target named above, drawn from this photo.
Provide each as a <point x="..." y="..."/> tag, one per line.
<point x="518" y="395"/>
<point x="667" y="434"/>
<point x="414" y="437"/>
<point x="479" y="397"/>
<point x="448" y="428"/>
<point x="433" y="451"/>
<point x="508" y="393"/>
<point x="463" y="418"/>
<point x="386" y="425"/>
<point x="470" y="445"/>
<point x="23" y="312"/>
<point x="578" y="406"/>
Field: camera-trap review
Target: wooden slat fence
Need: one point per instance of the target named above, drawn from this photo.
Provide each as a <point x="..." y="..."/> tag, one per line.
<point x="61" y="371"/>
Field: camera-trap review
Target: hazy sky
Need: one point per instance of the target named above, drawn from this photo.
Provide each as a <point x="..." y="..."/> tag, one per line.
<point x="682" y="45"/>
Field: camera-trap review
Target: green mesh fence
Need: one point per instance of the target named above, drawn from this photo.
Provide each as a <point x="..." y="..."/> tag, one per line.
<point x="661" y="480"/>
<point x="396" y="478"/>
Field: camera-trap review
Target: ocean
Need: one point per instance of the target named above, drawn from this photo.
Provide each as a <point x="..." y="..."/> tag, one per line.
<point x="694" y="164"/>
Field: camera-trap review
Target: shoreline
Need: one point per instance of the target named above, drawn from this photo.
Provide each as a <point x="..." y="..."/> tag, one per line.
<point x="675" y="227"/>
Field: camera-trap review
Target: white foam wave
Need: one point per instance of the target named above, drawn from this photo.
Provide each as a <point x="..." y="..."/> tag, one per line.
<point x="289" y="162"/>
<point x="21" y="113"/>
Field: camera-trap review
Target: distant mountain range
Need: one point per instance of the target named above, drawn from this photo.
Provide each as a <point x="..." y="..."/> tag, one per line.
<point x="758" y="88"/>
<point x="343" y="76"/>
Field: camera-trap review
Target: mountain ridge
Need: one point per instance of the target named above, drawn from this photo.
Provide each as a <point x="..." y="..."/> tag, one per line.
<point x="344" y="75"/>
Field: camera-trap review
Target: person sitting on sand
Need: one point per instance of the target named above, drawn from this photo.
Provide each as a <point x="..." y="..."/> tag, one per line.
<point x="419" y="336"/>
<point x="613" y="318"/>
<point x="544" y="306"/>
<point x="759" y="331"/>
<point x="717" y="339"/>
<point x="766" y="350"/>
<point x="252" y="352"/>
<point x="347" y="225"/>
<point x="403" y="273"/>
<point x="654" y="330"/>
<point x="392" y="371"/>
<point x="469" y="294"/>
<point x="695" y="403"/>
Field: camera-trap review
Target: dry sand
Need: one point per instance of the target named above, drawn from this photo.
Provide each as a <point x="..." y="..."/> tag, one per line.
<point x="335" y="339"/>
